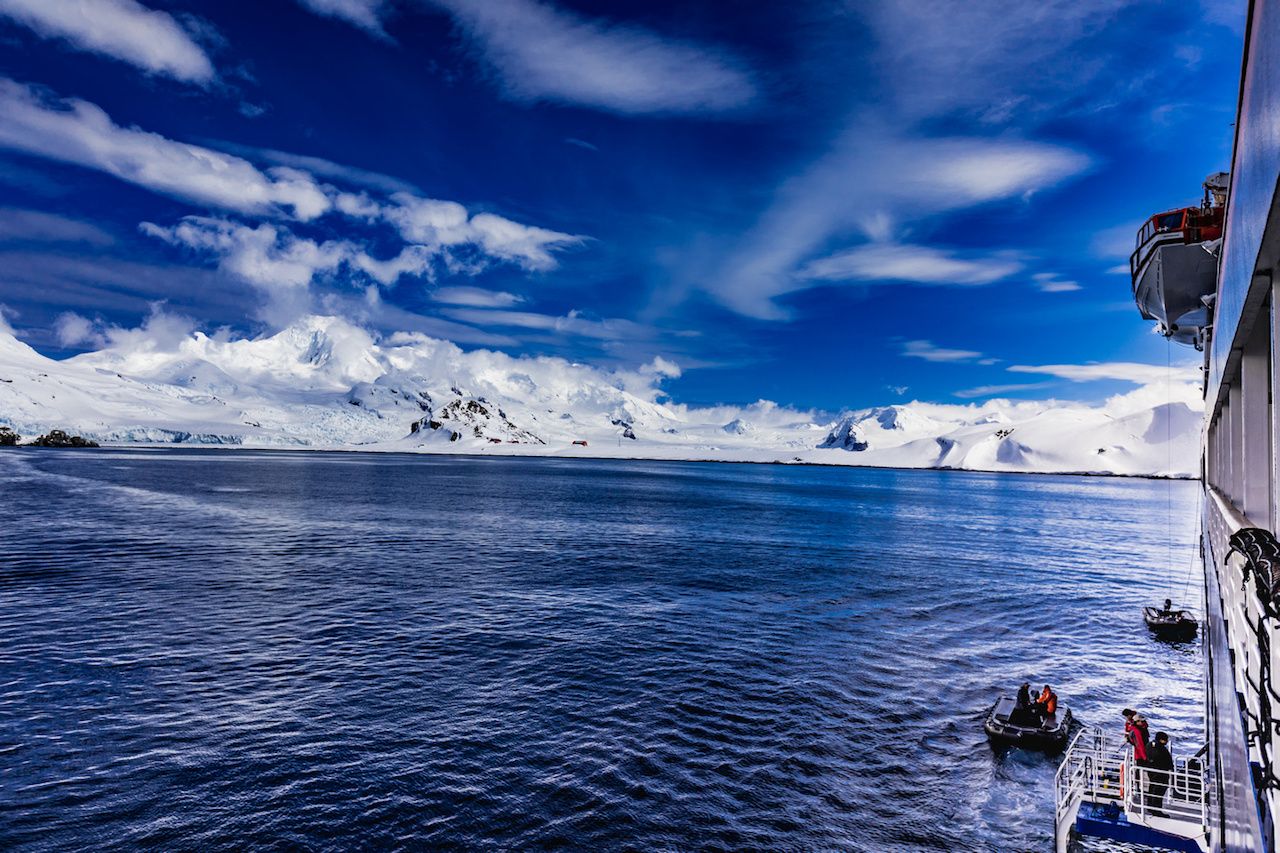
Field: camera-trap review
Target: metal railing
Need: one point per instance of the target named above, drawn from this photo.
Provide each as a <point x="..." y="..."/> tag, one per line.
<point x="1099" y="768"/>
<point x="1092" y="770"/>
<point x="1162" y="798"/>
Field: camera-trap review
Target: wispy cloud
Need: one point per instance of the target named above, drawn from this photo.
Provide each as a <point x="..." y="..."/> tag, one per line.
<point x="1050" y="282"/>
<point x="573" y="323"/>
<point x="933" y="64"/>
<point x="475" y="297"/>
<point x="78" y="132"/>
<point x="1115" y="242"/>
<point x="321" y="167"/>
<point x="47" y="280"/>
<point x="122" y="29"/>
<point x="997" y="390"/>
<point x="6" y="328"/>
<point x="543" y="53"/>
<point x="35" y="226"/>
<point x="1125" y="371"/>
<point x="941" y="57"/>
<point x="365" y="14"/>
<point x="929" y="351"/>
<point x="918" y="264"/>
<point x="870" y="178"/>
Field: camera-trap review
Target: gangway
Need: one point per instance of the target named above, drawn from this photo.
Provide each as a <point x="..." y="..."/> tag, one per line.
<point x="1102" y="793"/>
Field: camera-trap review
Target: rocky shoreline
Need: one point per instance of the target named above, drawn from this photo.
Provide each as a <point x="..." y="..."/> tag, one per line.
<point x="53" y="438"/>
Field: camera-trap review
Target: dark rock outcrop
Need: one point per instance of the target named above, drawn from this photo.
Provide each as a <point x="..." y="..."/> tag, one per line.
<point x="8" y="438"/>
<point x="58" y="438"/>
<point x="476" y="418"/>
<point x="845" y="436"/>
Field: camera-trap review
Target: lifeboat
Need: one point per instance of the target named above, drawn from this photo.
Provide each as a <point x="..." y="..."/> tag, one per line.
<point x="1007" y="725"/>
<point x="1174" y="267"/>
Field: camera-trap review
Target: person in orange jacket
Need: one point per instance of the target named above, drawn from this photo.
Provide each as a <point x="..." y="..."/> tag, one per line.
<point x="1047" y="702"/>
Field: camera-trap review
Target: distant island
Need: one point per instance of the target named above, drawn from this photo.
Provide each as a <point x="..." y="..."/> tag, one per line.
<point x="323" y="383"/>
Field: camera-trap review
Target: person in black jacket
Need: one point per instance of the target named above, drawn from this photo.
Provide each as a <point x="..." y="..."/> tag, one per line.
<point x="1159" y="765"/>
<point x="1023" y="714"/>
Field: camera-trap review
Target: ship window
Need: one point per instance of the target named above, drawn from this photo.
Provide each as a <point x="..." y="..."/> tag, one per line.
<point x="1171" y="221"/>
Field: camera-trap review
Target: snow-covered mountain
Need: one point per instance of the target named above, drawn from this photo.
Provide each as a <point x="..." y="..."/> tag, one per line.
<point x="325" y="383"/>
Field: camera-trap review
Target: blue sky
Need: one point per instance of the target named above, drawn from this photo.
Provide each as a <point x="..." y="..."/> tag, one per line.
<point x="825" y="204"/>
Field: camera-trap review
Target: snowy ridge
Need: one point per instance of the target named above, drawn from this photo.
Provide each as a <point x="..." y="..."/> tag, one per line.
<point x="325" y="383"/>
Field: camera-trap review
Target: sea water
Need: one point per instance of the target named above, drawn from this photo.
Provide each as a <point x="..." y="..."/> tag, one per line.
<point x="233" y="650"/>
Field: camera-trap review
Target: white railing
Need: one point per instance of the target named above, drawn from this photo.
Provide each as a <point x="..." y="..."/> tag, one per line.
<point x="1091" y="771"/>
<point x="1099" y="768"/>
<point x="1162" y="798"/>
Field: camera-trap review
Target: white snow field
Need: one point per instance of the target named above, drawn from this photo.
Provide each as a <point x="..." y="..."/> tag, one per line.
<point x="324" y="383"/>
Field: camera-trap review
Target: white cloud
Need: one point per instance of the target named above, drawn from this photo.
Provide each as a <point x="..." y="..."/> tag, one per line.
<point x="444" y="224"/>
<point x="122" y="29"/>
<point x="428" y="221"/>
<point x="966" y="171"/>
<point x="526" y="245"/>
<point x="365" y="14"/>
<point x="928" y="351"/>
<point x="357" y="206"/>
<point x="542" y="53"/>
<point x="283" y="265"/>
<point x="78" y="132"/>
<point x="1125" y="371"/>
<point x="919" y="264"/>
<point x="1049" y="282"/>
<point x="267" y="256"/>
<point x="661" y="368"/>
<point x="475" y="297"/>
<point x="160" y="331"/>
<point x="72" y="329"/>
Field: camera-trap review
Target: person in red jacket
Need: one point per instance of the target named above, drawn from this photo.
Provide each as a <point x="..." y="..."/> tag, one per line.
<point x="1136" y="733"/>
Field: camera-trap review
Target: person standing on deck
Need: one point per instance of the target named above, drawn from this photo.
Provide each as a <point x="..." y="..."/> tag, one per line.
<point x="1136" y="733"/>
<point x="1160" y="765"/>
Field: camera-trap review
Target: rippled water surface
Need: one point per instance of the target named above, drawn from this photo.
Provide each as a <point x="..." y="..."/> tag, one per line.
<point x="222" y="650"/>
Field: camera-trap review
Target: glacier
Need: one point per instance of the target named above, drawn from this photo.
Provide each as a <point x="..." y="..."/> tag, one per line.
<point x="325" y="383"/>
